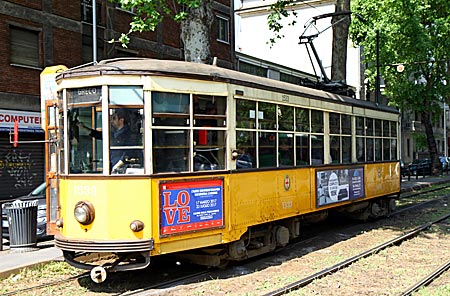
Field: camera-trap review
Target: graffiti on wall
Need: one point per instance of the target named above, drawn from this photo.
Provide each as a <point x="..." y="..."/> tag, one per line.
<point x="18" y="166"/>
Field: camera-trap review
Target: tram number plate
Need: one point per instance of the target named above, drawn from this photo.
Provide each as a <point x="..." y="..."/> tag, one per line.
<point x="286" y="204"/>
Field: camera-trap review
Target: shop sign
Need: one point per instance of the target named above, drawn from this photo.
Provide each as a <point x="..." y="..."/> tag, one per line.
<point x="27" y="121"/>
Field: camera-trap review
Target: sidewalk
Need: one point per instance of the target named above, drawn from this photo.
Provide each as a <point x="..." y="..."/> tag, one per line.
<point x="11" y="262"/>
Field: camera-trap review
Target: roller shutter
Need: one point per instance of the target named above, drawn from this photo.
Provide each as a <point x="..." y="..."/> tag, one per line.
<point x="22" y="168"/>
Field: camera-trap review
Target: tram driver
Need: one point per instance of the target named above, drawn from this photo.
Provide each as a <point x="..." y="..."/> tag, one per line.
<point x="120" y="136"/>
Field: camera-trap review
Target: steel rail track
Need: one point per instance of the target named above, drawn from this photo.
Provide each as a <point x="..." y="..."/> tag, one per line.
<point x="408" y="194"/>
<point x="166" y="284"/>
<point x="307" y="280"/>
<point x="428" y="279"/>
<point x="49" y="284"/>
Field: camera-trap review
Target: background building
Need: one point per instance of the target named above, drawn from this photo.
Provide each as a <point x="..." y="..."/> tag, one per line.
<point x="40" y="33"/>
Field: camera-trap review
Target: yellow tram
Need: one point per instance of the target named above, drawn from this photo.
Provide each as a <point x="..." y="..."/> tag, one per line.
<point x="148" y="157"/>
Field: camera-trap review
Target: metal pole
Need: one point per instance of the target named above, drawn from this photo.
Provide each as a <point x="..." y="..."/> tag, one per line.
<point x="445" y="131"/>
<point x="377" y="81"/>
<point x="94" y="32"/>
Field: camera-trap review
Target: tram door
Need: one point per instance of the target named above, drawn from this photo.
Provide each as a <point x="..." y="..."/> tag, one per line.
<point x="53" y="160"/>
<point x="50" y="117"/>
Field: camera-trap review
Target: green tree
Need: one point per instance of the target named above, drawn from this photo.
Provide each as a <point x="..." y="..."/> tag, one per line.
<point x="195" y="18"/>
<point x="415" y="34"/>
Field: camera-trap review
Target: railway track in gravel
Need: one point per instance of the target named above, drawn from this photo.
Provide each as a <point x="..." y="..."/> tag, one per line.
<point x="204" y="275"/>
<point x="208" y="275"/>
<point x="346" y="263"/>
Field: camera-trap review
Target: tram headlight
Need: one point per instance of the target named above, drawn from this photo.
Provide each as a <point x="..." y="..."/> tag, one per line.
<point x="84" y="212"/>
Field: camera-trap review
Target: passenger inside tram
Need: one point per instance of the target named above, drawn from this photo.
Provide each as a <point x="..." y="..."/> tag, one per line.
<point x="121" y="137"/>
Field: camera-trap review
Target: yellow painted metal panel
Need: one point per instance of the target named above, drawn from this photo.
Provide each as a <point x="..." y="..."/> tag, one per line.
<point x="188" y="244"/>
<point x="382" y="179"/>
<point x="115" y="204"/>
<point x="259" y="197"/>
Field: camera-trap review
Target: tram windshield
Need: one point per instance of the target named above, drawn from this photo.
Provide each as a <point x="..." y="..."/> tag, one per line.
<point x="96" y="135"/>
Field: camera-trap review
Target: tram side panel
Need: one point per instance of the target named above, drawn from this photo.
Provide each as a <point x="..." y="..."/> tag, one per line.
<point x="260" y="197"/>
<point x="116" y="204"/>
<point x="248" y="199"/>
<point x="382" y="179"/>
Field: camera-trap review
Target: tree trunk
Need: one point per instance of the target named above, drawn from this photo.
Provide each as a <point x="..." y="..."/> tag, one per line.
<point x="195" y="33"/>
<point x="340" y="37"/>
<point x="432" y="148"/>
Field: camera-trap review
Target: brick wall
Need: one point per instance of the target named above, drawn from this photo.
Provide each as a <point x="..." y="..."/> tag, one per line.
<point x="60" y="37"/>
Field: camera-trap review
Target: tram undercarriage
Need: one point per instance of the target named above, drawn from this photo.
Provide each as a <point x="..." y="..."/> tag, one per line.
<point x="267" y="237"/>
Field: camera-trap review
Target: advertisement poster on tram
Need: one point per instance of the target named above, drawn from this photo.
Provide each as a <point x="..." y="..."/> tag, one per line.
<point x="339" y="185"/>
<point x="191" y="206"/>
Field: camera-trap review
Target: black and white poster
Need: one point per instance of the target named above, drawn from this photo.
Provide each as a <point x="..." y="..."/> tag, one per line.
<point x="339" y="185"/>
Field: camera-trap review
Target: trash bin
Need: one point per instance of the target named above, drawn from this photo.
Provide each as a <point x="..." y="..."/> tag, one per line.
<point x="22" y="219"/>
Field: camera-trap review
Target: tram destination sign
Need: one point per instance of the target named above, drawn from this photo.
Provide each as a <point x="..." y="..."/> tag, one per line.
<point x="339" y="185"/>
<point x="191" y="206"/>
<point x="85" y="95"/>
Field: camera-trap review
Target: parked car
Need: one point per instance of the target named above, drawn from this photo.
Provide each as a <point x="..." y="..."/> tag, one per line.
<point x="404" y="168"/>
<point x="38" y="193"/>
<point x="420" y="166"/>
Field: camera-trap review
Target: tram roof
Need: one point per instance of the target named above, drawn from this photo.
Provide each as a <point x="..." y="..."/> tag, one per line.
<point x="182" y="69"/>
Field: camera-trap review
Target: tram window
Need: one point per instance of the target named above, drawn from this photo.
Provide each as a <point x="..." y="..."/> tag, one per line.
<point x="386" y="149"/>
<point x="267" y="116"/>
<point x="346" y="124"/>
<point x="209" y="144"/>
<point x="246" y="145"/>
<point x="209" y="111"/>
<point x="170" y="109"/>
<point x="393" y="125"/>
<point x="346" y="149"/>
<point x="209" y="150"/>
<point x="317" y="149"/>
<point x="369" y="149"/>
<point x="360" y="128"/>
<point x="369" y="127"/>
<point x="335" y="126"/>
<point x="393" y="149"/>
<point x="378" y="127"/>
<point x="302" y="120"/>
<point x="302" y="149"/>
<point x="335" y="149"/>
<point x="378" y="149"/>
<point x="360" y="149"/>
<point x="125" y="141"/>
<point x="245" y="114"/>
<point x="386" y="132"/>
<point x="267" y="149"/>
<point x="285" y="118"/>
<point x="85" y="140"/>
<point x="170" y="150"/>
<point x="126" y="95"/>
<point x="316" y="121"/>
<point x="285" y="149"/>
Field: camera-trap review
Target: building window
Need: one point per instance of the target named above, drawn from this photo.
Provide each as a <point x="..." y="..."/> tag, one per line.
<point x="24" y="47"/>
<point x="86" y="11"/>
<point x="223" y="29"/>
<point x="127" y="8"/>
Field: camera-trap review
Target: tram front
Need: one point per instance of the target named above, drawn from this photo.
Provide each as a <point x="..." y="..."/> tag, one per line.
<point x="98" y="192"/>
